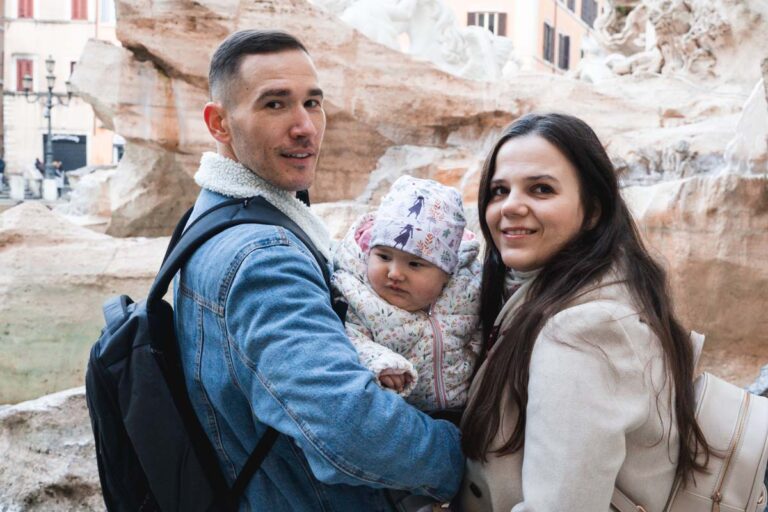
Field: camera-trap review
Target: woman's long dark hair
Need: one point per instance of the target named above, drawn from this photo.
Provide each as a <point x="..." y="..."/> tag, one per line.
<point x="608" y="238"/>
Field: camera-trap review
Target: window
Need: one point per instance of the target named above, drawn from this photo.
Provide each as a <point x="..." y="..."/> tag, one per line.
<point x="23" y="68"/>
<point x="107" y="11"/>
<point x="564" y="51"/>
<point x="496" y="22"/>
<point x="548" y="51"/>
<point x="25" y="9"/>
<point x="589" y="11"/>
<point x="79" y="9"/>
<point x="572" y="5"/>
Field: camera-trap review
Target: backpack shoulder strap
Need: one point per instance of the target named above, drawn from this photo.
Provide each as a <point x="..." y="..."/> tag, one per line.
<point x="186" y="240"/>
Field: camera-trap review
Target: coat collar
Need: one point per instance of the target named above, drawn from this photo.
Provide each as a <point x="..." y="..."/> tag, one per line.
<point x="219" y="174"/>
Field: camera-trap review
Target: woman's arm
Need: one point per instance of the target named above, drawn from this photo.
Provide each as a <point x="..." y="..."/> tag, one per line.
<point x="586" y="392"/>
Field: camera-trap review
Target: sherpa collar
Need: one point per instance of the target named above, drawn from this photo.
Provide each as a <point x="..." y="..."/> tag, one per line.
<point x="219" y="174"/>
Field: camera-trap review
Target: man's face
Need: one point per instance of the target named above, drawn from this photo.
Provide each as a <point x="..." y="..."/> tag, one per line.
<point x="275" y="118"/>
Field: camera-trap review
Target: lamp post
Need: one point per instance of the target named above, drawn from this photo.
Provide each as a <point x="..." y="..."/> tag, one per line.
<point x="50" y="191"/>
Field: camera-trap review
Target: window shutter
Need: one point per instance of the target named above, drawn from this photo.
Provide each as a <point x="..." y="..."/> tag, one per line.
<point x="79" y="9"/>
<point x="25" y="9"/>
<point x="23" y="67"/>
<point x="471" y="18"/>
<point x="502" y="24"/>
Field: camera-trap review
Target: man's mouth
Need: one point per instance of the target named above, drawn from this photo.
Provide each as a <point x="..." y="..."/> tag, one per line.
<point x="298" y="155"/>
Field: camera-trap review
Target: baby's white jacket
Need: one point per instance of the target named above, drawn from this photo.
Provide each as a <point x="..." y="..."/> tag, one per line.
<point x="438" y="349"/>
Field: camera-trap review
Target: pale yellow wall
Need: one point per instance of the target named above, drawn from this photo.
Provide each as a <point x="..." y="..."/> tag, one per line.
<point x="50" y="32"/>
<point x="525" y="26"/>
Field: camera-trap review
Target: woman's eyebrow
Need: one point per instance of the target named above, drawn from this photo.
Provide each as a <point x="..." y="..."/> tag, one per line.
<point x="539" y="177"/>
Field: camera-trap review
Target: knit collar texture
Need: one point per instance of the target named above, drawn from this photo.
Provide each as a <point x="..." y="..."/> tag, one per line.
<point x="224" y="176"/>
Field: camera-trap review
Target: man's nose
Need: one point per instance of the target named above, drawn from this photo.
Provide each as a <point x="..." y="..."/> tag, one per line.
<point x="303" y="125"/>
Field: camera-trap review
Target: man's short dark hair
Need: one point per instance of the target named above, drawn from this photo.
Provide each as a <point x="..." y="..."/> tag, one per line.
<point x="225" y="62"/>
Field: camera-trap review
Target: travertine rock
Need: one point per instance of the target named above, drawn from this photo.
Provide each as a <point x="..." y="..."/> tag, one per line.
<point x="48" y="458"/>
<point x="152" y="92"/>
<point x="712" y="234"/>
<point x="55" y="277"/>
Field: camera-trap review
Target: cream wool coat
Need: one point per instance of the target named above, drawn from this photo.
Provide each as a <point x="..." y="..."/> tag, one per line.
<point x="598" y="414"/>
<point x="437" y="348"/>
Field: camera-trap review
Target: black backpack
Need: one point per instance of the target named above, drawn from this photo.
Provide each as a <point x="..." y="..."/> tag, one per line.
<point x="151" y="450"/>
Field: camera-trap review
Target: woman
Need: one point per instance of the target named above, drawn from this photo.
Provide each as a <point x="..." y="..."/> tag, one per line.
<point x="586" y="382"/>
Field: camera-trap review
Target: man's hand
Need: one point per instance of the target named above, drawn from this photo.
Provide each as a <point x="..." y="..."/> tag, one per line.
<point x="396" y="380"/>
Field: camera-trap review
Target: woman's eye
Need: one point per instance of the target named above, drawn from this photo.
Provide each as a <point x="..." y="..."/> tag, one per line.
<point x="542" y="188"/>
<point x="498" y="190"/>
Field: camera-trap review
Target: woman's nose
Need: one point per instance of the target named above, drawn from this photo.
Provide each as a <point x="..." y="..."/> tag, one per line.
<point x="515" y="204"/>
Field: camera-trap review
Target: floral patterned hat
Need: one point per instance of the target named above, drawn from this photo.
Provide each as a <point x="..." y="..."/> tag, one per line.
<point x="423" y="218"/>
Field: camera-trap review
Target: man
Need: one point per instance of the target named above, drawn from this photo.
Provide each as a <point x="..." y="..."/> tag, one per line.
<point x="261" y="344"/>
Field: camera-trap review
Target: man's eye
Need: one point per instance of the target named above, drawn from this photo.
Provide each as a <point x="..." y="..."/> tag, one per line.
<point x="312" y="103"/>
<point x="274" y="105"/>
<point x="542" y="188"/>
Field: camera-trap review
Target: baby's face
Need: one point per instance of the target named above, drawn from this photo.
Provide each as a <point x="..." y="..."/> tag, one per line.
<point x="403" y="279"/>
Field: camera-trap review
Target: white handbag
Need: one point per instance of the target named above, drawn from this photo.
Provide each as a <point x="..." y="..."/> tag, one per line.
<point x="735" y="425"/>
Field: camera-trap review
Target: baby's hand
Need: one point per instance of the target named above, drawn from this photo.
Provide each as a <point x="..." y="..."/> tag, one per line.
<point x="395" y="379"/>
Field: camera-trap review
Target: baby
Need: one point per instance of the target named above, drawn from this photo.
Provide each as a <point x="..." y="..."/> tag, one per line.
<point x="411" y="276"/>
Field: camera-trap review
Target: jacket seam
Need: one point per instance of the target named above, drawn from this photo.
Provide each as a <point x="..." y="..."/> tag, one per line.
<point x="209" y="409"/>
<point x="197" y="298"/>
<point x="321" y="498"/>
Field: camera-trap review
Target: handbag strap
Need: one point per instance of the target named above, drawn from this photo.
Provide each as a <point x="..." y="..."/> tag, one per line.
<point x="622" y="503"/>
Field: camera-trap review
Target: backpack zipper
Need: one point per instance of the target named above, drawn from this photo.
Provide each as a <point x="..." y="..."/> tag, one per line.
<point x="716" y="495"/>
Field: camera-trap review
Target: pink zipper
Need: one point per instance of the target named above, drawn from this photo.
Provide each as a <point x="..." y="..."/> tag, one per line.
<point x="442" y="400"/>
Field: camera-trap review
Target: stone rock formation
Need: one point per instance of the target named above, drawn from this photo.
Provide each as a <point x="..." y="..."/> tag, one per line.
<point x="152" y="91"/>
<point x="712" y="234"/>
<point x="48" y="455"/>
<point x="54" y="278"/>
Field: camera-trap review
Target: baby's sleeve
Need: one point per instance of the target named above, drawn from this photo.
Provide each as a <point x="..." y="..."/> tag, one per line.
<point x="376" y="357"/>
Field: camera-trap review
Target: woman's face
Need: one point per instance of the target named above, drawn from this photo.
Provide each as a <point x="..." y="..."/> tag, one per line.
<point x="535" y="206"/>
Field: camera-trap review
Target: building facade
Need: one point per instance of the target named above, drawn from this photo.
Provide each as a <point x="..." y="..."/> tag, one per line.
<point x="33" y="30"/>
<point x="546" y="34"/>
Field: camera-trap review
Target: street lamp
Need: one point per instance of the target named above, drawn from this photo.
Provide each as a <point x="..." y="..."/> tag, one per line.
<point x="48" y="96"/>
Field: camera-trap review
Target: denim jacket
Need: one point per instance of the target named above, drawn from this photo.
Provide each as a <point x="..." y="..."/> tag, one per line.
<point x="262" y="346"/>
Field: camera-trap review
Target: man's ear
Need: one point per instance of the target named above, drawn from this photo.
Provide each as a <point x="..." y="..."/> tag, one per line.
<point x="218" y="127"/>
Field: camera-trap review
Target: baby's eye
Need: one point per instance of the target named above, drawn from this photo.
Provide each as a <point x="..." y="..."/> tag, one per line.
<point x="542" y="188"/>
<point x="415" y="264"/>
<point x="382" y="256"/>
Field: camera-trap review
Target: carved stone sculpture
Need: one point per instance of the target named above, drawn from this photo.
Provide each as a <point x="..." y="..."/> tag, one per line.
<point x="433" y="32"/>
<point x="702" y="38"/>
